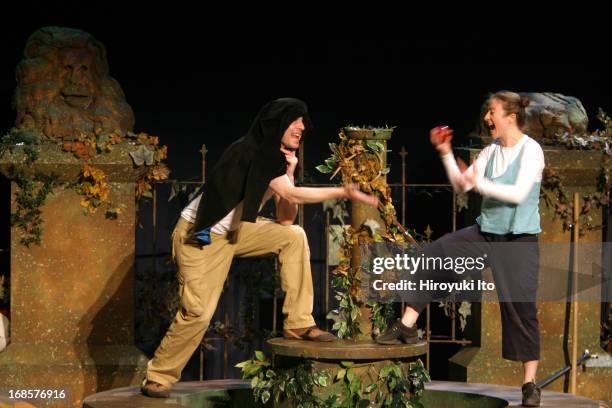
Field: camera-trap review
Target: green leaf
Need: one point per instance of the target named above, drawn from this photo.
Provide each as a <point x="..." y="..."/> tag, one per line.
<point x="341" y="373"/>
<point x="331" y="163"/>
<point x="265" y="396"/>
<point x="346" y="363"/>
<point x="355" y="386"/>
<point x="323" y="169"/>
<point x="373" y="145"/>
<point x="396" y="370"/>
<point x="290" y="387"/>
<point x="250" y="371"/>
<point x="343" y="328"/>
<point x="350" y="374"/>
<point x="254" y="382"/>
<point x="259" y="355"/>
<point x="384" y="372"/>
<point x="354" y="313"/>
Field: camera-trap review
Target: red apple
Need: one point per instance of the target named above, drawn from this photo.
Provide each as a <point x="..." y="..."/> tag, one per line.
<point x="440" y="134"/>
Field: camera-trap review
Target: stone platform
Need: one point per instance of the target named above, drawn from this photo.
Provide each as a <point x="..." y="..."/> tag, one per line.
<point x="344" y="349"/>
<point x="204" y="394"/>
<point x="236" y="393"/>
<point x="512" y="395"/>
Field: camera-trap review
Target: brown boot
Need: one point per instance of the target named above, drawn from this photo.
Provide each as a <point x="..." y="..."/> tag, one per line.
<point x="312" y="333"/>
<point x="154" y="389"/>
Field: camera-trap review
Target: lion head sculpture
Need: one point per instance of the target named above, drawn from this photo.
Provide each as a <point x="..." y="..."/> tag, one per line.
<point x="64" y="89"/>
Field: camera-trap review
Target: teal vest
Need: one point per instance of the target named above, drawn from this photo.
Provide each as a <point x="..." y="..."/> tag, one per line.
<point x="498" y="217"/>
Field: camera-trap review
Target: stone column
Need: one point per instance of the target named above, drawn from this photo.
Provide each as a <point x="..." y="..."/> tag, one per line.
<point x="72" y="297"/>
<point x="361" y="212"/>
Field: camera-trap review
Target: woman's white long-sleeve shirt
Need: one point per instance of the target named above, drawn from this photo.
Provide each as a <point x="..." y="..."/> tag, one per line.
<point x="530" y="172"/>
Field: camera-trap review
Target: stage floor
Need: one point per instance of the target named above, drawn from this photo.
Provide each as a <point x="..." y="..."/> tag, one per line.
<point x="185" y="394"/>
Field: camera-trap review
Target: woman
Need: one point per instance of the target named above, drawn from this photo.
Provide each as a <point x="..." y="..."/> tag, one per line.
<point x="507" y="174"/>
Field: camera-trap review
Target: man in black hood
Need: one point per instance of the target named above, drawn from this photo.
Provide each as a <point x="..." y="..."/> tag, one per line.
<point x="221" y="222"/>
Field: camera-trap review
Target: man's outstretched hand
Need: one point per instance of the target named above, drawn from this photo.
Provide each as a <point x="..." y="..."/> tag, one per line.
<point x="354" y="194"/>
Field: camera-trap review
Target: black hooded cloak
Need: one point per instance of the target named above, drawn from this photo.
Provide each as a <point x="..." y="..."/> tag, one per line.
<point x="245" y="169"/>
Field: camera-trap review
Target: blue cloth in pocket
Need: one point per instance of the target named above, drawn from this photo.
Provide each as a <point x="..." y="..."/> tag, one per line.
<point x="203" y="236"/>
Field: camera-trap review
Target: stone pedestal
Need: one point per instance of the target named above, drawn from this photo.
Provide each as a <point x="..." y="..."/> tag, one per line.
<point x="72" y="300"/>
<point x="367" y="356"/>
<point x="579" y="171"/>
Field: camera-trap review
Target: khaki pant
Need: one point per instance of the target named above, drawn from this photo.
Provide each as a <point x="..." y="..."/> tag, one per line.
<point x="202" y="274"/>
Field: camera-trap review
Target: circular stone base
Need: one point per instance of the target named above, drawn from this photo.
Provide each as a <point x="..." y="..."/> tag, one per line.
<point x="236" y="393"/>
<point x="344" y="349"/>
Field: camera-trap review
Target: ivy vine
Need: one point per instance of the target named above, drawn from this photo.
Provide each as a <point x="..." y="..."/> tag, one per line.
<point x="361" y="161"/>
<point x="296" y="384"/>
<point x="361" y="385"/>
<point x="34" y="187"/>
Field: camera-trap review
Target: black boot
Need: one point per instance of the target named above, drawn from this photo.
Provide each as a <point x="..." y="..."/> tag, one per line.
<point x="399" y="333"/>
<point x="531" y="394"/>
